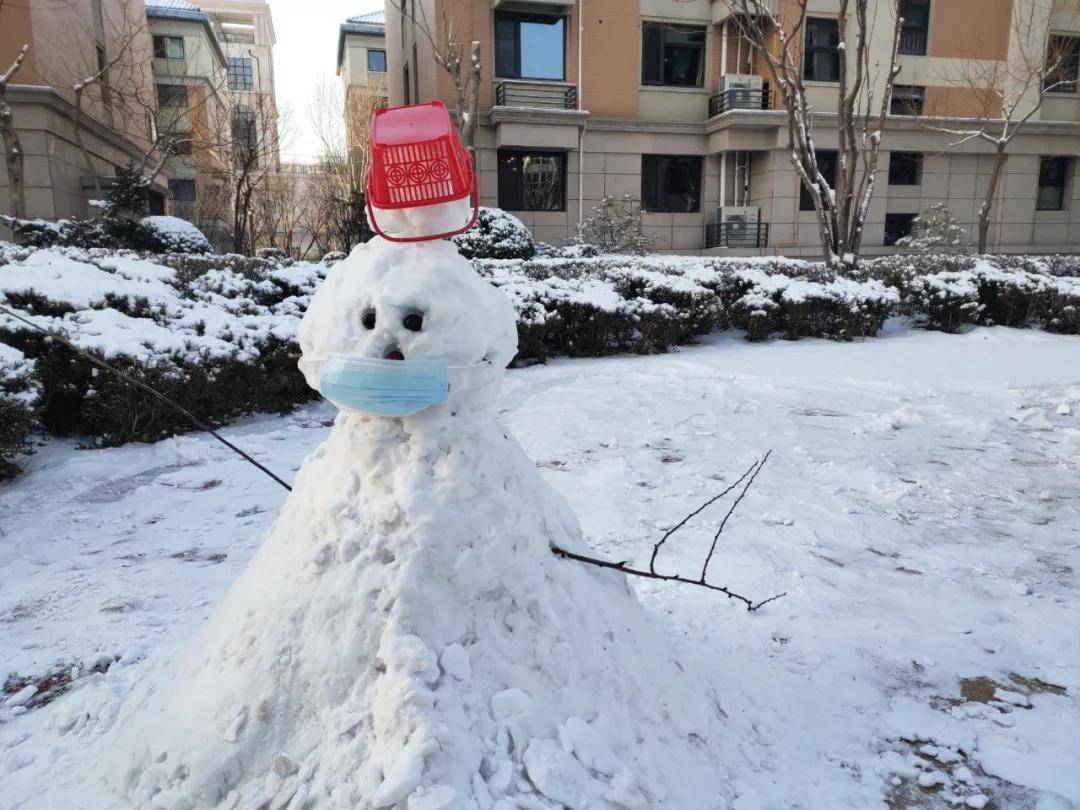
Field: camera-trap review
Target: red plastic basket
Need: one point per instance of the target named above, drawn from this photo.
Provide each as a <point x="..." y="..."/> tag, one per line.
<point x="417" y="160"/>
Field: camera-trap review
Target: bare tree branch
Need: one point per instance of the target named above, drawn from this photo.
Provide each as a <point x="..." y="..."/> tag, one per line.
<point x="13" y="153"/>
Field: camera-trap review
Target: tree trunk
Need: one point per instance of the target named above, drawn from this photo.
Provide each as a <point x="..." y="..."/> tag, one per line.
<point x="13" y="160"/>
<point x="988" y="200"/>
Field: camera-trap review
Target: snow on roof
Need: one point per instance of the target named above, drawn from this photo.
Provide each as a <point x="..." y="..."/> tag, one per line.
<point x="175" y="5"/>
<point x="371" y="18"/>
<point x="374" y="22"/>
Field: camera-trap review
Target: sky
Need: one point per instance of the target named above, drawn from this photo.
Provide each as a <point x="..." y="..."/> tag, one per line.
<point x="305" y="53"/>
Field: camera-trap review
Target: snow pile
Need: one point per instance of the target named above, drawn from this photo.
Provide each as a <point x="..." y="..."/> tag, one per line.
<point x="178" y="235"/>
<point x="496" y="235"/>
<point x="404" y="637"/>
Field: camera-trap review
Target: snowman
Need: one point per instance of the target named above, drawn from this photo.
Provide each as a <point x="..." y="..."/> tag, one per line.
<point x="404" y="638"/>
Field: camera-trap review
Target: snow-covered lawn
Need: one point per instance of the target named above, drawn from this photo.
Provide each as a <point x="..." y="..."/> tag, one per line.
<point x="921" y="509"/>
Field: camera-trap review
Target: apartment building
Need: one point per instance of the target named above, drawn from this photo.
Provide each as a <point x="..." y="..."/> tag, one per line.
<point x="361" y="66"/>
<point x="190" y="70"/>
<point x="65" y="46"/>
<point x="663" y="100"/>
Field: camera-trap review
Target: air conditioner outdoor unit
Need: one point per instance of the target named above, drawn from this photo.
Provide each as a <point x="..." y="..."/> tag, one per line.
<point x="740" y="214"/>
<point x="741" y="91"/>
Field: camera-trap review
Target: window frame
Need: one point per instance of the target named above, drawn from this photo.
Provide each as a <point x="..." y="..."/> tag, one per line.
<point x="650" y="202"/>
<point x="913" y="94"/>
<point x="177" y="91"/>
<point x="187" y="183"/>
<point x="909" y="175"/>
<point x="246" y="71"/>
<point x="831" y="159"/>
<point x="912" y="30"/>
<point x="811" y="50"/>
<point x="1060" y="183"/>
<point x="166" y="40"/>
<point x="517" y="18"/>
<point x="502" y="183"/>
<point x="891" y="237"/>
<point x="660" y="80"/>
<point x="382" y="52"/>
<point x="1065" y="81"/>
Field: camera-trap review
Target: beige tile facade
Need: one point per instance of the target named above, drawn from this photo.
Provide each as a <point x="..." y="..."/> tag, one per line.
<point x="619" y="119"/>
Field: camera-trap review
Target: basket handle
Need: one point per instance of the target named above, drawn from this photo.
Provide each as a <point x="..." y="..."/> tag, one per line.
<point x="474" y="191"/>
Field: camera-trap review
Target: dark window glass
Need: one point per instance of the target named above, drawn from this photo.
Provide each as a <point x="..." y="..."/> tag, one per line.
<point x="1063" y="64"/>
<point x="168" y="47"/>
<point x="407" y="86"/>
<point x="826" y="161"/>
<point x="905" y="169"/>
<point x="172" y="95"/>
<point x="182" y="190"/>
<point x="239" y="74"/>
<point x="244" y="133"/>
<point x="672" y="55"/>
<point x="1053" y="176"/>
<point x="529" y="46"/>
<point x="532" y="181"/>
<point x="916" y="30"/>
<point x="822" y="62"/>
<point x="907" y="100"/>
<point x="897" y="226"/>
<point x="671" y="183"/>
<point x="376" y="61"/>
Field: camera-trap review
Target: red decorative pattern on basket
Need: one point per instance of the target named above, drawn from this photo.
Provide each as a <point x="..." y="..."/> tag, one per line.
<point x="418" y="172"/>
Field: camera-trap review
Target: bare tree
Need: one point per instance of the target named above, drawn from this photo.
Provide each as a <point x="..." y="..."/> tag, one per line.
<point x="1009" y="93"/>
<point x="13" y="153"/>
<point x="449" y="51"/>
<point x="861" y="116"/>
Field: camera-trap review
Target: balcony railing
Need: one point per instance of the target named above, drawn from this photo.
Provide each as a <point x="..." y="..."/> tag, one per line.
<point x="546" y="95"/>
<point x="739" y="99"/>
<point x="737" y="234"/>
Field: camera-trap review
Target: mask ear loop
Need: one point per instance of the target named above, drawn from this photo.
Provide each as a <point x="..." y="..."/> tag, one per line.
<point x="486" y="362"/>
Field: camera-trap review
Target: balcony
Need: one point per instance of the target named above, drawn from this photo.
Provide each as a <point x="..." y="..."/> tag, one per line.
<point x="913" y="42"/>
<point x="739" y="99"/>
<point x="723" y="9"/>
<point x="736" y="235"/>
<point x="542" y="95"/>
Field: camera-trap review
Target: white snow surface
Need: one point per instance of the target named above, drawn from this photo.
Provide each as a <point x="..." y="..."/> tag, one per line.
<point x="924" y="533"/>
<point x="405" y="542"/>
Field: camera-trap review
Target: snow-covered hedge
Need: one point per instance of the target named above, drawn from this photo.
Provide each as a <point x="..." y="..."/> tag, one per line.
<point x="496" y="235"/>
<point x="18" y="399"/>
<point x="216" y="332"/>
<point x="177" y="235"/>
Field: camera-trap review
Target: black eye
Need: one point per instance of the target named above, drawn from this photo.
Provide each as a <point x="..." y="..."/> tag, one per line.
<point x="369" y="319"/>
<point x="414" y="322"/>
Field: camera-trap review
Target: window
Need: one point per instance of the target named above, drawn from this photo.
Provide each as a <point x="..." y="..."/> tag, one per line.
<point x="1053" y="174"/>
<point x="1063" y="64"/>
<point x="240" y="76"/>
<point x="406" y="85"/>
<point x="916" y="30"/>
<point x="532" y="181"/>
<point x="671" y="183"/>
<point x="897" y="226"/>
<point x="103" y="70"/>
<point x="905" y="169"/>
<point x="672" y="55"/>
<point x="529" y="46"/>
<point x="244" y="134"/>
<point x="168" y="47"/>
<point x="182" y="145"/>
<point x="376" y="61"/>
<point x="826" y="161"/>
<point x="907" y="100"/>
<point x="182" y="190"/>
<point x="172" y="95"/>
<point x="822" y="62"/>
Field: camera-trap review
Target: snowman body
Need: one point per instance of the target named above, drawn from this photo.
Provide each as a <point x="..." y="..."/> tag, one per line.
<point x="404" y="638"/>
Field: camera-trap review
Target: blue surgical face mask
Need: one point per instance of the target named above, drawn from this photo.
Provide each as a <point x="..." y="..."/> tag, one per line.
<point x="387" y="387"/>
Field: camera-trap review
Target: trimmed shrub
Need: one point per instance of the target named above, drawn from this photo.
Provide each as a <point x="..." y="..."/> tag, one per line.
<point x="496" y="235"/>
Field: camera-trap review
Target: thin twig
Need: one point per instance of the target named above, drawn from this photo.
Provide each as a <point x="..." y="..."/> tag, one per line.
<point x="695" y="513"/>
<point x="734" y="506"/>
<point x="139" y="384"/>
<point x="751" y="606"/>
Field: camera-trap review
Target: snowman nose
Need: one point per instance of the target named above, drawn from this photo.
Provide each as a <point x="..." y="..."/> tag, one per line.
<point x="394" y="354"/>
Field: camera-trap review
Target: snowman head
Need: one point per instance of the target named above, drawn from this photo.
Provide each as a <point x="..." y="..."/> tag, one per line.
<point x="403" y="321"/>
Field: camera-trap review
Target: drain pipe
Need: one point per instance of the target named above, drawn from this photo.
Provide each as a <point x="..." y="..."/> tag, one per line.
<point x="581" y="132"/>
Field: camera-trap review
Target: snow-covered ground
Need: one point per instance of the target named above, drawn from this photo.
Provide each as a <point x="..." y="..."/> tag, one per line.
<point x="921" y="509"/>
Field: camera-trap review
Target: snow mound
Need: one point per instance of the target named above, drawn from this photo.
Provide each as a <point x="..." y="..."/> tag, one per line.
<point x="404" y="637"/>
